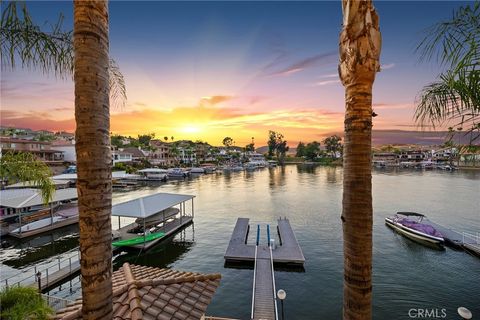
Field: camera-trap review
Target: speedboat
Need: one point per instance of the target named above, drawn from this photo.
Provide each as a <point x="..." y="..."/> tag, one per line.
<point x="415" y="226"/>
<point x="177" y="173"/>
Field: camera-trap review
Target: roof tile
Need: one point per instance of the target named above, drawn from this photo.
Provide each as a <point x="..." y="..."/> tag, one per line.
<point x="141" y="292"/>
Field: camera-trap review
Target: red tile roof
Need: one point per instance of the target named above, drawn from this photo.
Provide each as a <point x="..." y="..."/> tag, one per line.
<point x="152" y="293"/>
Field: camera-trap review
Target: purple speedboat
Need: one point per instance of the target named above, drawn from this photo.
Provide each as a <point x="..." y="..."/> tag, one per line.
<point x="416" y="227"/>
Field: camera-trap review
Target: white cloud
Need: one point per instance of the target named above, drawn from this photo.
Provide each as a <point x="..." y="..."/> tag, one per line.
<point x="387" y="66"/>
<point x="326" y="82"/>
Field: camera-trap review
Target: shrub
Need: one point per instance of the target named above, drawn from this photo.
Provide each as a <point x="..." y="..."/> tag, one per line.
<point x="19" y="303"/>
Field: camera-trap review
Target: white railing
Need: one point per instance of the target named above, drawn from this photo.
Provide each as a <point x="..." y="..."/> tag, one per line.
<point x="273" y="281"/>
<point x="474" y="237"/>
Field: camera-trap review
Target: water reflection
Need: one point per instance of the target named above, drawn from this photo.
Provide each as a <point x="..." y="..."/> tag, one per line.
<point x="26" y="252"/>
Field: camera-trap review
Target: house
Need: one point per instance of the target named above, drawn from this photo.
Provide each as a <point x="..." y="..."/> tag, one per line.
<point x="121" y="156"/>
<point x="444" y="154"/>
<point x="65" y="136"/>
<point x="161" y="156"/>
<point x="187" y="155"/>
<point x="141" y="292"/>
<point x="412" y="156"/>
<point x="41" y="149"/>
<point x="68" y="149"/>
<point x="388" y="159"/>
<point x="137" y="153"/>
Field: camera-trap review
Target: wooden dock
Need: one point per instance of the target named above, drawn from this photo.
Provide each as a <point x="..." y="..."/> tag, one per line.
<point x="263" y="298"/>
<point x="287" y="252"/>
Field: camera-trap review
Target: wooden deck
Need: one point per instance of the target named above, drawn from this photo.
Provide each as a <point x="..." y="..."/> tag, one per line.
<point x="288" y="252"/>
<point x="263" y="304"/>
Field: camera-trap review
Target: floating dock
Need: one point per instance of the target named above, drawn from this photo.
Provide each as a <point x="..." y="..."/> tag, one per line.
<point x="466" y="241"/>
<point x="287" y="252"/>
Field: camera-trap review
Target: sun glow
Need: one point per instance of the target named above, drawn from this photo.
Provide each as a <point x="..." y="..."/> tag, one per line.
<point x="190" y="129"/>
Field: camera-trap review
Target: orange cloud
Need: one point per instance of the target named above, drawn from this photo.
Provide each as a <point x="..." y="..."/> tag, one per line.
<point x="205" y="123"/>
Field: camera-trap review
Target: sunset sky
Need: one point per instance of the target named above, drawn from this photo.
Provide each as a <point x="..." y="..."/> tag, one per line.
<point x="206" y="70"/>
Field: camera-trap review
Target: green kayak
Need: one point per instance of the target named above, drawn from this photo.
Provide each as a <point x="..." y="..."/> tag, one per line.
<point x="138" y="240"/>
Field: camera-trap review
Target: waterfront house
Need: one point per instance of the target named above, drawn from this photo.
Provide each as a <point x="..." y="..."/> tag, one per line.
<point x="141" y="292"/>
<point x="161" y="155"/>
<point x="41" y="149"/>
<point x="385" y="159"/>
<point x="121" y="156"/>
<point x="138" y="154"/>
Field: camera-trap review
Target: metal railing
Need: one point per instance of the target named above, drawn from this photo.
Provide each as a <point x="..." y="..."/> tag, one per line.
<point x="273" y="273"/>
<point x="56" y="303"/>
<point x="475" y="237"/>
<point x="30" y="276"/>
<point x="255" y="271"/>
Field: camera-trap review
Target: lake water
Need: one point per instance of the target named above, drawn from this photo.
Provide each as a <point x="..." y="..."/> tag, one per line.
<point x="406" y="275"/>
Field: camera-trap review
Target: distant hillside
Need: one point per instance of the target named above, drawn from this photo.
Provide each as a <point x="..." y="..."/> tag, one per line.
<point x="382" y="137"/>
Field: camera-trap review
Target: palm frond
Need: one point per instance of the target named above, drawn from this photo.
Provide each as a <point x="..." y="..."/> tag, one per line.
<point x="454" y="42"/>
<point x="455" y="98"/>
<point x="21" y="40"/>
<point x="24" y="167"/>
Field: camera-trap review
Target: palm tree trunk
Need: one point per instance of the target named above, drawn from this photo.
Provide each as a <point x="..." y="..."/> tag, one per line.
<point x="360" y="43"/>
<point x="94" y="182"/>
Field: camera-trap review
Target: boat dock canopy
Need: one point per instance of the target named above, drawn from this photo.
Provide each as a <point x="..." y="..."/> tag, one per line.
<point x="31" y="184"/>
<point x="24" y="198"/>
<point x="149" y="205"/>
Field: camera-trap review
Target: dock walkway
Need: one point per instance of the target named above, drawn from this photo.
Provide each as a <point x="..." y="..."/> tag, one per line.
<point x="51" y="280"/>
<point x="263" y="299"/>
<point x="468" y="242"/>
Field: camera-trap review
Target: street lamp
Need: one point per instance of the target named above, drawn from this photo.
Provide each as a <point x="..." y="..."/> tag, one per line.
<point x="281" y="294"/>
<point x="464" y="313"/>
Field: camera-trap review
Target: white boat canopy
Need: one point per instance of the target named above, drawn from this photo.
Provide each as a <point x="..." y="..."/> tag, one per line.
<point x="23" y="198"/>
<point x="31" y="184"/>
<point x="149" y="205"/>
<point x="73" y="176"/>
<point x="153" y="170"/>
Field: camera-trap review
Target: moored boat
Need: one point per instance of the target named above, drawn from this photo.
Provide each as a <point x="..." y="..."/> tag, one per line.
<point x="157" y="217"/>
<point x="153" y="174"/>
<point x="177" y="173"/>
<point x="197" y="170"/>
<point x="415" y="226"/>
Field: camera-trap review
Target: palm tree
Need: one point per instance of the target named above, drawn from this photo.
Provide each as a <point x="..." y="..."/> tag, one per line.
<point x="454" y="99"/>
<point x="360" y="43"/>
<point x="24" y="167"/>
<point x="25" y="43"/>
<point x="94" y="184"/>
